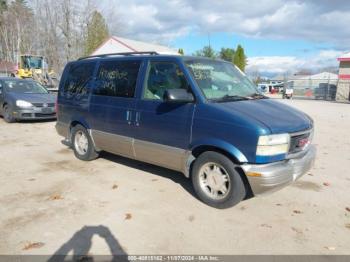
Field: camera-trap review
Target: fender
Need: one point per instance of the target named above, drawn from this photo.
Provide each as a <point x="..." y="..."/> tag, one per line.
<point x="76" y="119"/>
<point x="85" y="124"/>
<point x="81" y="120"/>
<point x="221" y="144"/>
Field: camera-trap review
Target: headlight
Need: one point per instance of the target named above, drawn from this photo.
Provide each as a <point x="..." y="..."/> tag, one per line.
<point x="273" y="145"/>
<point x="23" y="104"/>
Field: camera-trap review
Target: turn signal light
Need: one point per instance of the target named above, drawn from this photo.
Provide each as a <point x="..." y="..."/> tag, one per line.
<point x="253" y="174"/>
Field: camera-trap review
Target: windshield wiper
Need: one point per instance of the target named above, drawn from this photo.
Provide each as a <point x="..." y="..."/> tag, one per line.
<point x="257" y="96"/>
<point x="232" y="98"/>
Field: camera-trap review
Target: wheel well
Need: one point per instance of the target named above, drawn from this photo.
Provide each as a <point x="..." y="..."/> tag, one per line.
<point x="201" y="149"/>
<point x="73" y="124"/>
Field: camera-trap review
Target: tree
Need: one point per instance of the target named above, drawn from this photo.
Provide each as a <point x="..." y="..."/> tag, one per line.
<point x="240" y="60"/>
<point x="207" y="51"/>
<point x="3" y="5"/>
<point x="97" y="32"/>
<point x="227" y="54"/>
<point x="16" y="23"/>
<point x="181" y="51"/>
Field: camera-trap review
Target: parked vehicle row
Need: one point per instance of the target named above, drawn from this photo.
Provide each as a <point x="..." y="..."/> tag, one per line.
<point x="199" y="116"/>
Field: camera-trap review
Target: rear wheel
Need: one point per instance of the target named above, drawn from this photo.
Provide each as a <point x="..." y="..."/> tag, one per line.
<point x="82" y="144"/>
<point x="216" y="181"/>
<point x="8" y="117"/>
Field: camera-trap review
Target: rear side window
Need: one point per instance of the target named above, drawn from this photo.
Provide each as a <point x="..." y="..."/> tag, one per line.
<point x="78" y="77"/>
<point x="117" y="78"/>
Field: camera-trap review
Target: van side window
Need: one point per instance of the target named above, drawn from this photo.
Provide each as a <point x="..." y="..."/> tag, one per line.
<point x="162" y="76"/>
<point x="78" y="77"/>
<point x="117" y="78"/>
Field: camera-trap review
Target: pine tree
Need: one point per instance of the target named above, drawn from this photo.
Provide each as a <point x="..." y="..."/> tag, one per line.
<point x="97" y="32"/>
<point x="240" y="60"/>
<point x="3" y="5"/>
<point x="207" y="51"/>
<point x="227" y="54"/>
<point x="181" y="51"/>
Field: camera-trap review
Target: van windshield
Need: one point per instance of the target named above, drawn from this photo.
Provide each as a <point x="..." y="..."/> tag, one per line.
<point x="222" y="81"/>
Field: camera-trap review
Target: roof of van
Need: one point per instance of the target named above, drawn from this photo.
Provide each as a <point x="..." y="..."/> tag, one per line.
<point x="143" y="55"/>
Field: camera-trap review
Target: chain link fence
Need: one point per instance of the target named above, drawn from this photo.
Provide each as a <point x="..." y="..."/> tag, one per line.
<point x="313" y="88"/>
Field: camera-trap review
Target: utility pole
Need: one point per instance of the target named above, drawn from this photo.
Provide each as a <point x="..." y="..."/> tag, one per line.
<point x="209" y="40"/>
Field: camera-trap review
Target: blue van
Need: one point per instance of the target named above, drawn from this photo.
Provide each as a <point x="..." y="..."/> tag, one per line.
<point x="199" y="116"/>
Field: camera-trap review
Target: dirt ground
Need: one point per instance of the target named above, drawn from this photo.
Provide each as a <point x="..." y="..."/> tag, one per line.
<point x="50" y="202"/>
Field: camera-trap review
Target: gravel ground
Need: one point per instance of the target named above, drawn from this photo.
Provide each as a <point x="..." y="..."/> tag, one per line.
<point x="50" y="202"/>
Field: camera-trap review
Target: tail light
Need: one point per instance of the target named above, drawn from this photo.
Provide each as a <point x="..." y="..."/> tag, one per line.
<point x="56" y="106"/>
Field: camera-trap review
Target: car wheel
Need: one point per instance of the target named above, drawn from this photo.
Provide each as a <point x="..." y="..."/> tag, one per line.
<point x="82" y="144"/>
<point x="216" y="181"/>
<point x="7" y="114"/>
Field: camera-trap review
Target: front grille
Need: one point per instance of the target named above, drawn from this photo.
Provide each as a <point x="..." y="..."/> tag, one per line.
<point x="26" y="115"/>
<point x="44" y="115"/>
<point x="295" y="145"/>
<point x="42" y="104"/>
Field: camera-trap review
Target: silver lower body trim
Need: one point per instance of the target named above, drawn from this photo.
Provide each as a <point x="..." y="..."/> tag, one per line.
<point x="120" y="145"/>
<point x="166" y="156"/>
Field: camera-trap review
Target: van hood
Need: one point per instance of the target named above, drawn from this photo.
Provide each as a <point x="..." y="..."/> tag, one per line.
<point x="34" y="98"/>
<point x="278" y="117"/>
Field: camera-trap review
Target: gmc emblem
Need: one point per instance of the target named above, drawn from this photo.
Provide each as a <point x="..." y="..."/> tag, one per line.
<point x="303" y="142"/>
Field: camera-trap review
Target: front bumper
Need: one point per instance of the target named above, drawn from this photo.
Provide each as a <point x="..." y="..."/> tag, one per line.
<point x="275" y="176"/>
<point x="34" y="113"/>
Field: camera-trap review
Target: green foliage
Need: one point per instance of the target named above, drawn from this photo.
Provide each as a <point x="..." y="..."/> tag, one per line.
<point x="181" y="51"/>
<point x="97" y="32"/>
<point x="227" y="54"/>
<point x="3" y="5"/>
<point x="207" y="51"/>
<point x="240" y="60"/>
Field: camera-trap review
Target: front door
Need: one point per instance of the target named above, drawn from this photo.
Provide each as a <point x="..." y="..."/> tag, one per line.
<point x="163" y="130"/>
<point x="112" y="106"/>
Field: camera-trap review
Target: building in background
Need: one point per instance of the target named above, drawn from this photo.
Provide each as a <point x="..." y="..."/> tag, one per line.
<point x="120" y="45"/>
<point x="313" y="81"/>
<point x="343" y="90"/>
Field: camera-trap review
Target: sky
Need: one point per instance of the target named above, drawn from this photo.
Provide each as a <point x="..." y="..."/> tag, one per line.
<point x="278" y="35"/>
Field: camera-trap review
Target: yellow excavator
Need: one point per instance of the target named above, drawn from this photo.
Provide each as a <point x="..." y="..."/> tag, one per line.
<point x="35" y="67"/>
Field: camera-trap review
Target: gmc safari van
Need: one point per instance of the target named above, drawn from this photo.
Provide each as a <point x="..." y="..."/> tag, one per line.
<point x="199" y="116"/>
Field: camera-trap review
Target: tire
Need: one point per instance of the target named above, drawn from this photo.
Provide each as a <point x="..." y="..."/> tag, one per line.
<point x="82" y="144"/>
<point x="7" y="114"/>
<point x="211" y="170"/>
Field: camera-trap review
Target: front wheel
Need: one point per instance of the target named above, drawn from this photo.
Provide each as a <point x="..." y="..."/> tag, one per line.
<point x="216" y="181"/>
<point x="8" y="117"/>
<point x="82" y="144"/>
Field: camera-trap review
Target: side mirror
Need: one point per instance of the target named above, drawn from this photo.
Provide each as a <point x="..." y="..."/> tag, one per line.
<point x="178" y="95"/>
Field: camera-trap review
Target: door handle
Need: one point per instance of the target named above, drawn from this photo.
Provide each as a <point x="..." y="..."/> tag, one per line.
<point x="137" y="120"/>
<point x="128" y="117"/>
